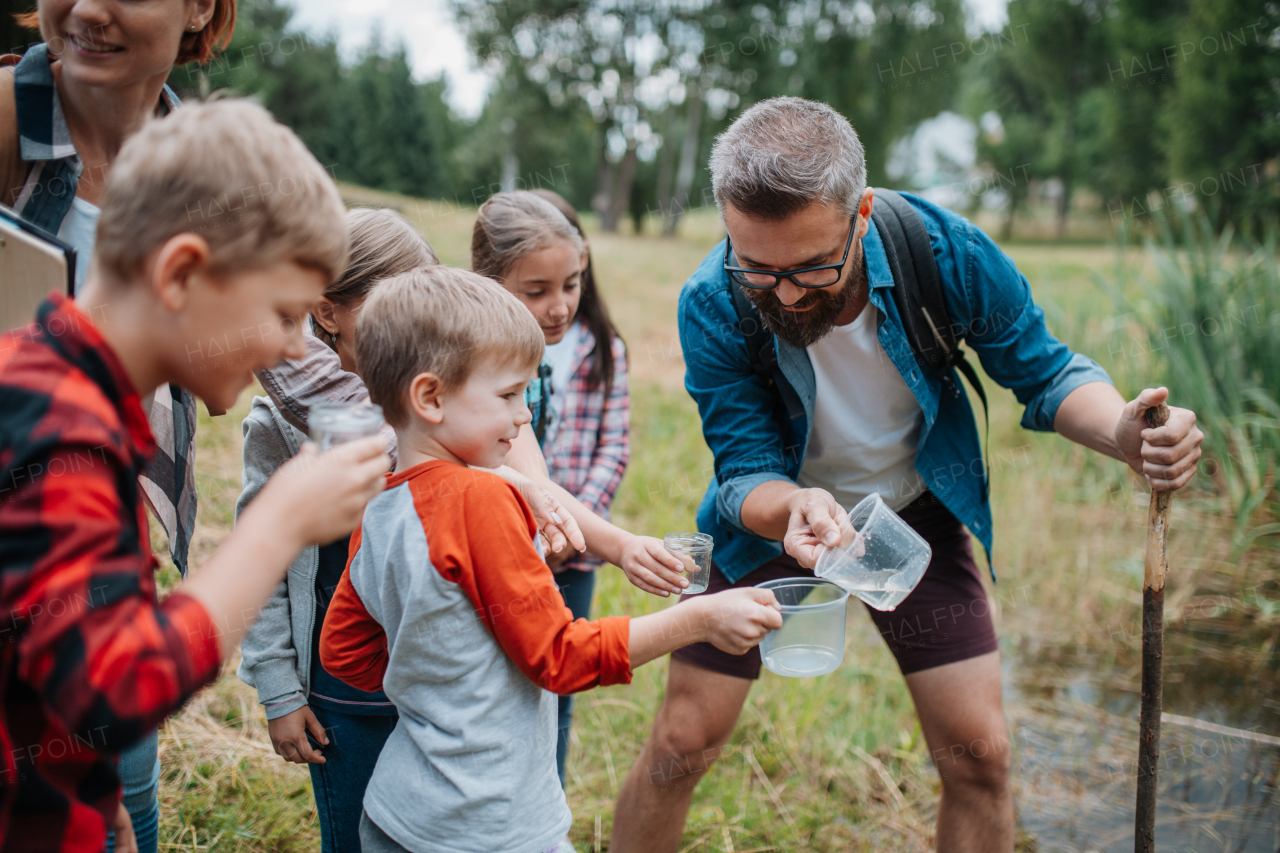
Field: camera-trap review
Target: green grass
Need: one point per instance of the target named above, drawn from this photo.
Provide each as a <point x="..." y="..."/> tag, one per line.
<point x="834" y="763"/>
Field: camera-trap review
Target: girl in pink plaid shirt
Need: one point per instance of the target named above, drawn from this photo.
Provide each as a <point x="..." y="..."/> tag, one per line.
<point x="534" y="245"/>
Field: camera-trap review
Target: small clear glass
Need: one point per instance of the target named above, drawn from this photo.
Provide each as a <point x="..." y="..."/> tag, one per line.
<point x="694" y="550"/>
<point x="811" y="639"/>
<point x="332" y="424"/>
<point x="880" y="558"/>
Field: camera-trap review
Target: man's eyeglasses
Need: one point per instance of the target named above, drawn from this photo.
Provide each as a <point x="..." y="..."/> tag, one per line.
<point x="807" y="277"/>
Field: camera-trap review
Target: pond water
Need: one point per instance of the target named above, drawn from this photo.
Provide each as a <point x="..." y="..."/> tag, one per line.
<point x="1073" y="725"/>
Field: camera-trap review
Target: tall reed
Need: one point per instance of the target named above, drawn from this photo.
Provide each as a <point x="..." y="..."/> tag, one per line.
<point x="1210" y="313"/>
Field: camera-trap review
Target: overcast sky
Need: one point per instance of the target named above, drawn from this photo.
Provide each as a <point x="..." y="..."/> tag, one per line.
<point x="435" y="44"/>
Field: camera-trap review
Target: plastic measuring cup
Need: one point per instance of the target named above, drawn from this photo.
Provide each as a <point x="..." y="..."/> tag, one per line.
<point x="694" y="550"/>
<point x="880" y="558"/>
<point x="811" y="639"/>
<point x="332" y="424"/>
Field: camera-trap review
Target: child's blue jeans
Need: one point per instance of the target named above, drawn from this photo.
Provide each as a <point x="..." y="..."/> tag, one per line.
<point x="355" y="741"/>
<point x="576" y="587"/>
<point x="139" y="770"/>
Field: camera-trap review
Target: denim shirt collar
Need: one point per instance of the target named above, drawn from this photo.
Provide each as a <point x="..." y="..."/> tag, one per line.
<point x="798" y="369"/>
<point x="42" y="126"/>
<point x="879" y="276"/>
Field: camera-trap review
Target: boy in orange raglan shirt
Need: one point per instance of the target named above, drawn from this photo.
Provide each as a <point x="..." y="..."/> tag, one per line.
<point x="446" y="604"/>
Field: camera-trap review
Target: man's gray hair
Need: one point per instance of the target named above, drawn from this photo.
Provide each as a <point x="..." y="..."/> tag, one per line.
<point x="784" y="154"/>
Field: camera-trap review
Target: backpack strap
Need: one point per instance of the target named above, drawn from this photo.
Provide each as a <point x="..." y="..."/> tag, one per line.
<point x="541" y="404"/>
<point x="918" y="296"/>
<point x="763" y="353"/>
<point x="918" y="286"/>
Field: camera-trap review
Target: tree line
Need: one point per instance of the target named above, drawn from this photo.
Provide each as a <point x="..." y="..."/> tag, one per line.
<point x="1153" y="106"/>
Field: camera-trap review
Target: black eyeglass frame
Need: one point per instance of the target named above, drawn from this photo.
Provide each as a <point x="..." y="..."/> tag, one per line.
<point x="789" y="275"/>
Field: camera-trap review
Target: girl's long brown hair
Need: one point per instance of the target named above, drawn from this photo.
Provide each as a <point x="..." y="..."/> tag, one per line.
<point x="591" y="307"/>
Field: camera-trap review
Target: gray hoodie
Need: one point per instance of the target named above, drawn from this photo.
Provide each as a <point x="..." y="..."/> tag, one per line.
<point x="276" y="652"/>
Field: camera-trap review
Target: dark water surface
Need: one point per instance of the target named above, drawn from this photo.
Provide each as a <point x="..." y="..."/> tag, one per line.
<point x="1073" y="720"/>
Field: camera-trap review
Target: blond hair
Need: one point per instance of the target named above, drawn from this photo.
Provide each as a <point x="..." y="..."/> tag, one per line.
<point x="439" y="320"/>
<point x="383" y="244"/>
<point x="231" y="173"/>
<point x="514" y="225"/>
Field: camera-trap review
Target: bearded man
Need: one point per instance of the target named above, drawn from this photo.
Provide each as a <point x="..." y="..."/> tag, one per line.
<point x="790" y="182"/>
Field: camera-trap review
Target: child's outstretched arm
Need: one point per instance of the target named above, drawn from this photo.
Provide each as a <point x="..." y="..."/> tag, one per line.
<point x="517" y="597"/>
<point x="555" y="523"/>
<point x="734" y="621"/>
<point x="645" y="560"/>
<point x="647" y="564"/>
<point x="514" y="594"/>
<point x="314" y="498"/>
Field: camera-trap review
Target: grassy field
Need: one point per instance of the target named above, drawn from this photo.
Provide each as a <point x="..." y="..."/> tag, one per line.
<point x="835" y="763"/>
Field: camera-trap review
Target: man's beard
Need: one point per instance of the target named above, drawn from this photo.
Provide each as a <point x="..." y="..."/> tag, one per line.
<point x="805" y="328"/>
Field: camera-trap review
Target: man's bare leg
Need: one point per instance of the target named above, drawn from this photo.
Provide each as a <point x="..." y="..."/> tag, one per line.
<point x="962" y="716"/>
<point x="695" y="721"/>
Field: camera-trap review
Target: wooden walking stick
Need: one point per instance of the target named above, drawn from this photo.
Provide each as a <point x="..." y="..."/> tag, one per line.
<point x="1156" y="565"/>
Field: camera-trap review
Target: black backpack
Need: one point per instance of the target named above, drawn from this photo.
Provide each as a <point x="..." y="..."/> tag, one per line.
<point x="917" y="294"/>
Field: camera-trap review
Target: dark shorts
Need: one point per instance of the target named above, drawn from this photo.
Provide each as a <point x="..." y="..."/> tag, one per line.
<point x="945" y="619"/>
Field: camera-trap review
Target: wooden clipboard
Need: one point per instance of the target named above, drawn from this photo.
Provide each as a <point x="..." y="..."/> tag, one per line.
<point x="32" y="263"/>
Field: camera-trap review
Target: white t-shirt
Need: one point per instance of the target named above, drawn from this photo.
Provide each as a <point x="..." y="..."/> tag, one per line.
<point x="79" y="229"/>
<point x="866" y="421"/>
<point x="559" y="357"/>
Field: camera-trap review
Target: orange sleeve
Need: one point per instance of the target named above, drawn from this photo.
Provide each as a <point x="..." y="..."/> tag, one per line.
<point x="489" y="552"/>
<point x="353" y="646"/>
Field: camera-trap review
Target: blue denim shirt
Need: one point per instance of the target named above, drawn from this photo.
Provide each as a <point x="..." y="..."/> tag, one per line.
<point x="753" y="442"/>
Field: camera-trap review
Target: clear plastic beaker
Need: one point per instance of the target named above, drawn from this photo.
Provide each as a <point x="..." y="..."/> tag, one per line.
<point x="694" y="550"/>
<point x="332" y="424"/>
<point x="880" y="558"/>
<point x="811" y="639"/>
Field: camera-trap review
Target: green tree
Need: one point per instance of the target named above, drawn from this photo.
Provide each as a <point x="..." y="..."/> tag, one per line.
<point x="1049" y="76"/>
<point x="395" y="130"/>
<point x="1142" y="72"/>
<point x="1222" y="122"/>
<point x="526" y="139"/>
<point x="887" y="71"/>
<point x="664" y="77"/>
<point x="371" y="123"/>
<point x="625" y="62"/>
<point x="1013" y="128"/>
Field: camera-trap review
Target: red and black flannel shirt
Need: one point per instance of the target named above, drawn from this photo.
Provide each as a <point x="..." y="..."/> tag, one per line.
<point x="89" y="660"/>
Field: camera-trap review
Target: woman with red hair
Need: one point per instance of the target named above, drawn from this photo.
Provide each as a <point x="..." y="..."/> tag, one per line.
<point x="66" y="107"/>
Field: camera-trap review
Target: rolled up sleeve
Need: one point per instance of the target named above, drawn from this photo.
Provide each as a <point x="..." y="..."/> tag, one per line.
<point x="733" y="495"/>
<point x="1042" y="409"/>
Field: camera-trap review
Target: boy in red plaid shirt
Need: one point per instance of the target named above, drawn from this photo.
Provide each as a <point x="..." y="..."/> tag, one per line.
<point x="218" y="233"/>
